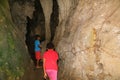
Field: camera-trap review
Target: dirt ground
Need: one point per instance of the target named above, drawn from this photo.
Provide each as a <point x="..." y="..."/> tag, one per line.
<point x="34" y="73"/>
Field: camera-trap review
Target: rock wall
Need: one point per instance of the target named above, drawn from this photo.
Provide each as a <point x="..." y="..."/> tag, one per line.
<point x="88" y="39"/>
<point x="20" y="10"/>
<point x="47" y="10"/>
<point x="14" y="57"/>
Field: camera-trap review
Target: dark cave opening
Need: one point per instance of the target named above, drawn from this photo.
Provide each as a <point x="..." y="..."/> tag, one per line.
<point x="30" y="40"/>
<point x="35" y="24"/>
<point x="54" y="19"/>
<point x="38" y="23"/>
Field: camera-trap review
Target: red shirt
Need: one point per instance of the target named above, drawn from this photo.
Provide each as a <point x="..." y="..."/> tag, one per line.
<point x="51" y="58"/>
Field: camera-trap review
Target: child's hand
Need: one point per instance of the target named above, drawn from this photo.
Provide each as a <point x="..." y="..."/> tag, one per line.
<point x="45" y="75"/>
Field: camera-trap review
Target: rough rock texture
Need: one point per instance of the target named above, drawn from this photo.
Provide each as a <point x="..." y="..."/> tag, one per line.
<point x="14" y="58"/>
<point x="88" y="39"/>
<point x="47" y="9"/>
<point x="20" y="10"/>
<point x="54" y="19"/>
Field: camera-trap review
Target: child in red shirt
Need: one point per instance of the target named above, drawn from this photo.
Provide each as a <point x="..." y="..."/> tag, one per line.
<point x="50" y="66"/>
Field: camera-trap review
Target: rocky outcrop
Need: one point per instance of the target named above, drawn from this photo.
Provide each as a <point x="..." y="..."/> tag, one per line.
<point x="14" y="58"/>
<point x="20" y="10"/>
<point x="47" y="9"/>
<point x="87" y="39"/>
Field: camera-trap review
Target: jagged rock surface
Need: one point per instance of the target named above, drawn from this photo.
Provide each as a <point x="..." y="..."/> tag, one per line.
<point x="14" y="58"/>
<point x="47" y="9"/>
<point x="88" y="39"/>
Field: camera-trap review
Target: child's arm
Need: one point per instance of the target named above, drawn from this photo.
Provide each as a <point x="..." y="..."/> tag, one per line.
<point x="40" y="46"/>
<point x="45" y="75"/>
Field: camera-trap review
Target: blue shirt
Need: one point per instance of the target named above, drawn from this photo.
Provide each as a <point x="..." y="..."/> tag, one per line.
<point x="37" y="45"/>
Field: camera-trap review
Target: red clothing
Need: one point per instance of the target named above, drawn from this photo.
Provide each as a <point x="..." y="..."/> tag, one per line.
<point x="37" y="55"/>
<point x="51" y="58"/>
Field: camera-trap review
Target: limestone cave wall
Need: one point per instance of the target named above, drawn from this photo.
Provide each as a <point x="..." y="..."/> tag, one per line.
<point x="14" y="57"/>
<point x="88" y="39"/>
<point x="86" y="36"/>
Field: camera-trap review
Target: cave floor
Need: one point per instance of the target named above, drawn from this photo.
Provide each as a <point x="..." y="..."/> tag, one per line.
<point x="34" y="73"/>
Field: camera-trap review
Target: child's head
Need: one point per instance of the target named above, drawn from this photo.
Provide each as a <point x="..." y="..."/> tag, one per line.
<point x="37" y="36"/>
<point x="50" y="45"/>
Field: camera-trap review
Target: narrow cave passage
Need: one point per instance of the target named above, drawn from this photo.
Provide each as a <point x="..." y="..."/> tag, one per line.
<point x="85" y="33"/>
<point x="36" y="26"/>
<point x="29" y="17"/>
<point x="54" y="19"/>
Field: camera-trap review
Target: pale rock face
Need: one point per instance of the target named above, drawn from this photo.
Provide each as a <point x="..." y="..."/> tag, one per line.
<point x="47" y="10"/>
<point x="88" y="40"/>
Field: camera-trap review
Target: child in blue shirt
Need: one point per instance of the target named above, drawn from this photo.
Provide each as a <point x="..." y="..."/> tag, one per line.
<point x="37" y="49"/>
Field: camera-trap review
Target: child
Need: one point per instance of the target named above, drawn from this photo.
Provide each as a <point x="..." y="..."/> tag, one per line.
<point x="50" y="66"/>
<point x="37" y="50"/>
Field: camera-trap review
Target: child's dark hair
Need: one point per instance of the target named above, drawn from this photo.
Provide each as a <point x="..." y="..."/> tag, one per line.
<point x="36" y="36"/>
<point x="50" y="45"/>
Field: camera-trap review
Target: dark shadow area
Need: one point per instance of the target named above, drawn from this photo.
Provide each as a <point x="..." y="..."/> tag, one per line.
<point x="37" y="22"/>
<point x="54" y="19"/>
<point x="30" y="40"/>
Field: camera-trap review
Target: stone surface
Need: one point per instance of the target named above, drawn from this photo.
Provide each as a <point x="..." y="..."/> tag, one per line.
<point x="87" y="39"/>
<point x="14" y="58"/>
<point x="20" y="10"/>
<point x="47" y="10"/>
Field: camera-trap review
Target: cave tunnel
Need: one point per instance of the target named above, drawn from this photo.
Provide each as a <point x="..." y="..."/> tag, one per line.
<point x="36" y="26"/>
<point x="86" y="35"/>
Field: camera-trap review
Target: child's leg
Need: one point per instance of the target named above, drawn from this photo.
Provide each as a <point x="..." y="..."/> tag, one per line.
<point x="37" y="65"/>
<point x="37" y="55"/>
<point x="52" y="74"/>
